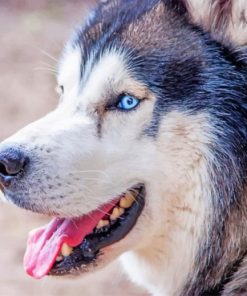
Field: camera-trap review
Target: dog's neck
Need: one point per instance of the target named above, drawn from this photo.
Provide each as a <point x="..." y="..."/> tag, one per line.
<point x="163" y="266"/>
<point x="173" y="263"/>
<point x="160" y="276"/>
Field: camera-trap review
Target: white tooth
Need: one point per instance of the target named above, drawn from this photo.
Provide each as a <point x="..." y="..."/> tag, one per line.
<point x="127" y="201"/>
<point x="117" y="212"/>
<point x="102" y="223"/>
<point x="66" y="250"/>
<point x="59" y="258"/>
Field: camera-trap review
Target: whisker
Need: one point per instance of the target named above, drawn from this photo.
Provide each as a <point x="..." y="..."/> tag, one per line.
<point x="50" y="71"/>
<point x="90" y="171"/>
<point x="49" y="66"/>
<point x="48" y="55"/>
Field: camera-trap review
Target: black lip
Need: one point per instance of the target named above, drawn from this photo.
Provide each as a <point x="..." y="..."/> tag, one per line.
<point x="89" y="250"/>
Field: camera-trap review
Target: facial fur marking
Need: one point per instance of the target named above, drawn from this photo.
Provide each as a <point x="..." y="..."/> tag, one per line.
<point x="99" y="125"/>
<point x="176" y="89"/>
<point x="191" y="158"/>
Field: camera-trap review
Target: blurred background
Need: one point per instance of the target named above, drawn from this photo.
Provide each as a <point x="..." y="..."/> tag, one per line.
<point x="32" y="35"/>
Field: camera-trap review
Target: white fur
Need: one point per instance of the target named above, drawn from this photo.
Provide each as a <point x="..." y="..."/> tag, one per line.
<point x="91" y="170"/>
<point x="163" y="264"/>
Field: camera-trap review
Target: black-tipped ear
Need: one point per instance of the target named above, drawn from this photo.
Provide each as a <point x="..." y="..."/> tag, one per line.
<point x="226" y="20"/>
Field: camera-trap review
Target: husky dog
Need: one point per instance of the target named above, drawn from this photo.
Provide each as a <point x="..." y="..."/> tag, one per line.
<point x="145" y="157"/>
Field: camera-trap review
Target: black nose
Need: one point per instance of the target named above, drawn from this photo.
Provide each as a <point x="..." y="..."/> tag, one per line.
<point x="12" y="162"/>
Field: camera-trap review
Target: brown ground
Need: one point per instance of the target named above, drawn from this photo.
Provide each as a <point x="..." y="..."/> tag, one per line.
<point x="30" y="32"/>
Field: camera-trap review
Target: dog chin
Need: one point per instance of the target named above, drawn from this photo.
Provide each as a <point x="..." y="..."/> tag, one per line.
<point x="104" y="258"/>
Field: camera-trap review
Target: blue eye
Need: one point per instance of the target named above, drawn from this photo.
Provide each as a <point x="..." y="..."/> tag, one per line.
<point x="128" y="102"/>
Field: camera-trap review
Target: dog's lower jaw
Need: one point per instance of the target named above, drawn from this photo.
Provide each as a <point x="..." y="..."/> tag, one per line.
<point x="158" y="275"/>
<point x="153" y="276"/>
<point x="139" y="269"/>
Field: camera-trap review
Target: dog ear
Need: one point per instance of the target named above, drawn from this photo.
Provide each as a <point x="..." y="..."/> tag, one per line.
<point x="226" y="20"/>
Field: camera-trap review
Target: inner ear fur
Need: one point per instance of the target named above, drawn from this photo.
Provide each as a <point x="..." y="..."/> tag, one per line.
<point x="226" y="20"/>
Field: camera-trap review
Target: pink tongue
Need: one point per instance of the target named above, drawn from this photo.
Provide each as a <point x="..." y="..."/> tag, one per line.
<point x="44" y="244"/>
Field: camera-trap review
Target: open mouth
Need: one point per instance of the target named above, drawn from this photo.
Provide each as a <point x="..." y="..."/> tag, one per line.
<point x="68" y="245"/>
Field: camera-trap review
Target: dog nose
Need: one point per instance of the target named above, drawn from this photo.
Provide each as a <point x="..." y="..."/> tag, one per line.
<point x="12" y="162"/>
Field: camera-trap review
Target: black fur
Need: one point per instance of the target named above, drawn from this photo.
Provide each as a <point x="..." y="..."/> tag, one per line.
<point x="191" y="73"/>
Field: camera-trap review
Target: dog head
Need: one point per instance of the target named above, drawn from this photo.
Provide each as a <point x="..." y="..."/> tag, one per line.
<point x="137" y="135"/>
